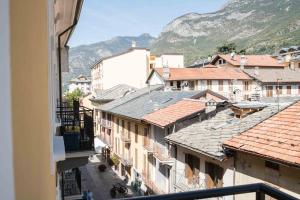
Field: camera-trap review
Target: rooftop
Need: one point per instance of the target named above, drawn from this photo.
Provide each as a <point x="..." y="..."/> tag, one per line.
<point x="271" y="76"/>
<point x="147" y="103"/>
<point x="113" y="93"/>
<point x="206" y="137"/>
<point x="81" y="79"/>
<point x="130" y="97"/>
<point x="275" y="138"/>
<point x="251" y="60"/>
<point x="204" y="73"/>
<point x="175" y="112"/>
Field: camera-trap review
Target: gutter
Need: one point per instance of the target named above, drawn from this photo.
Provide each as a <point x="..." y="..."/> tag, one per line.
<point x="70" y="28"/>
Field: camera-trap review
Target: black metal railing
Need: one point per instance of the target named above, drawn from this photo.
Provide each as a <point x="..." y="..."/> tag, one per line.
<point x="71" y="183"/>
<point x="261" y="191"/>
<point x="76" y="126"/>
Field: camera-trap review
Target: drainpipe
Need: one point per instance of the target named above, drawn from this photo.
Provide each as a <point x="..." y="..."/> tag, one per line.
<point x="59" y="65"/>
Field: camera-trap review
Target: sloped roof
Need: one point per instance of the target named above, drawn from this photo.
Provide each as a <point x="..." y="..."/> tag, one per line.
<point x="209" y="72"/>
<point x="271" y="76"/>
<point x="130" y="97"/>
<point x="149" y="102"/>
<point x="252" y="60"/>
<point x="113" y="93"/>
<point x="276" y="138"/>
<point x="175" y="112"/>
<point x="81" y="79"/>
<point x="207" y="137"/>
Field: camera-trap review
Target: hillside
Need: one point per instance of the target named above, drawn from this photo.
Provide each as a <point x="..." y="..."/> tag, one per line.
<point x="81" y="57"/>
<point x="259" y="26"/>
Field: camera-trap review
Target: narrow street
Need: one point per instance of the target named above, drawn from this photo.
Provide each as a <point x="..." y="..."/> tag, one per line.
<point x="99" y="183"/>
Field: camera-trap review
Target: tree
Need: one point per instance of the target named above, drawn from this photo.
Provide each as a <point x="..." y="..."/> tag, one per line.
<point x="71" y="96"/>
<point x="226" y="48"/>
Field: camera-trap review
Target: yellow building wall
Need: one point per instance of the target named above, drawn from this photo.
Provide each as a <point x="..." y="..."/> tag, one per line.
<point x="251" y="169"/>
<point x="134" y="146"/>
<point x="30" y="114"/>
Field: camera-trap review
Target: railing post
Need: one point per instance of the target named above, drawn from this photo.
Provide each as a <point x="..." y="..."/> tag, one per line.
<point x="260" y="195"/>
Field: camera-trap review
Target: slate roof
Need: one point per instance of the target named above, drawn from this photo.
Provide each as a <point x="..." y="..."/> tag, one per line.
<point x="251" y="60"/>
<point x="276" y="138"/>
<point x="130" y="97"/>
<point x="175" y="112"/>
<point x="147" y="103"/>
<point x="209" y="72"/>
<point x="113" y="93"/>
<point x="271" y="76"/>
<point x="208" y="136"/>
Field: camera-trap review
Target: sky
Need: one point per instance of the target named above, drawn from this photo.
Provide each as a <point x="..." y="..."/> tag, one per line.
<point x="104" y="19"/>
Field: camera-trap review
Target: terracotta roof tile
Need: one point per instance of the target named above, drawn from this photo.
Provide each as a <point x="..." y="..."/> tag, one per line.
<point x="205" y="73"/>
<point x="277" y="137"/>
<point x="253" y="60"/>
<point x="174" y="112"/>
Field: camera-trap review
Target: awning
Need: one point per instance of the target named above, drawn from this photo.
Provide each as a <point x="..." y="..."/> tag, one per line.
<point x="99" y="145"/>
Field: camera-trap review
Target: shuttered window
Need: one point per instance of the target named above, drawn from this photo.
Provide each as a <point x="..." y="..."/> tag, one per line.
<point x="214" y="175"/>
<point x="192" y="166"/>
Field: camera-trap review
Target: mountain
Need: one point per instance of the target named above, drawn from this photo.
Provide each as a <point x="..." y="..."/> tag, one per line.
<point x="81" y="57"/>
<point x="259" y="26"/>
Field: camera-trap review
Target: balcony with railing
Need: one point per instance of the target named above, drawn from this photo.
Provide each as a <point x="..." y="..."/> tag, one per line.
<point x="71" y="184"/>
<point x="150" y="184"/>
<point x="260" y="191"/>
<point x="76" y="128"/>
<point x="184" y="183"/>
<point x="125" y="137"/>
<point x="105" y="123"/>
<point x="126" y="160"/>
<point x="161" y="153"/>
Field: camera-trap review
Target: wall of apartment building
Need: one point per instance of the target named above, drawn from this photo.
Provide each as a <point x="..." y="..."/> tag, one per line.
<point x="252" y="169"/>
<point x="293" y="91"/>
<point x="159" y="172"/>
<point x="175" y="61"/>
<point x="83" y="86"/>
<point x="130" y="68"/>
<point x="179" y="172"/>
<point x="135" y="150"/>
<point x="226" y="90"/>
<point x="32" y="139"/>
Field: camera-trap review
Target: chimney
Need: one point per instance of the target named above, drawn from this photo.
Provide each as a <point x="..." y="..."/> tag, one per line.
<point x="232" y="55"/>
<point x="210" y="106"/>
<point x="243" y="61"/>
<point x="133" y="44"/>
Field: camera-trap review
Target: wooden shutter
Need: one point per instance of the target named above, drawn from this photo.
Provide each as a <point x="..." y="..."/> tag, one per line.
<point x="196" y="169"/>
<point x="188" y="168"/>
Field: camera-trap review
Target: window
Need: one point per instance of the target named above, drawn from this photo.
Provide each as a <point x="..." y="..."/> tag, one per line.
<point x="288" y="89"/>
<point x="220" y="85"/>
<point x="118" y="125"/>
<point x="136" y="133"/>
<point x="209" y="83"/>
<point x="278" y="90"/>
<point x="269" y="91"/>
<point x="191" y="85"/>
<point x="178" y="85"/>
<point x="171" y="83"/>
<point x="123" y="125"/>
<point x="146" y="139"/>
<point x="246" y="85"/>
<point x="192" y="166"/>
<point x="128" y="128"/>
<point x="214" y="175"/>
<point x="151" y="66"/>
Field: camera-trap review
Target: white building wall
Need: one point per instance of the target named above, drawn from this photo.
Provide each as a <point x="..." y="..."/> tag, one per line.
<point x="130" y="68"/>
<point x="176" y="61"/>
<point x="155" y="80"/>
<point x="228" y="178"/>
<point x="84" y="87"/>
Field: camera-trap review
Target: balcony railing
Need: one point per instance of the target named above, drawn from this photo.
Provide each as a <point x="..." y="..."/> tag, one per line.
<point x="76" y="127"/>
<point x="71" y="184"/>
<point x="189" y="184"/>
<point x="259" y="189"/>
<point x="162" y="154"/>
<point x="126" y="160"/>
<point x="125" y="137"/>
<point x="150" y="184"/>
<point x="105" y="123"/>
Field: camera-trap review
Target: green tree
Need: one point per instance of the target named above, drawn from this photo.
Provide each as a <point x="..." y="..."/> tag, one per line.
<point x="226" y="48"/>
<point x="71" y="96"/>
